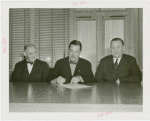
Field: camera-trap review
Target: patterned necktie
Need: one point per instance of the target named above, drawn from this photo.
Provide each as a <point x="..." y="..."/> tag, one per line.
<point x="116" y="73"/>
<point x="116" y="64"/>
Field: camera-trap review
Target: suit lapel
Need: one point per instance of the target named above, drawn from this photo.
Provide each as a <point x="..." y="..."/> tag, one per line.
<point x="25" y="66"/>
<point x="25" y="73"/>
<point x="77" y="67"/>
<point x="122" y="61"/>
<point x="111" y="62"/>
<point x="68" y="68"/>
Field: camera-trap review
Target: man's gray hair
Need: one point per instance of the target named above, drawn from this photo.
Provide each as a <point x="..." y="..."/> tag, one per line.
<point x="29" y="45"/>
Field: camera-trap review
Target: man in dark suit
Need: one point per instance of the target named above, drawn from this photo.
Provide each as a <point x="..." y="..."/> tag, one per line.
<point x="118" y="67"/>
<point x="72" y="69"/>
<point x="30" y="69"/>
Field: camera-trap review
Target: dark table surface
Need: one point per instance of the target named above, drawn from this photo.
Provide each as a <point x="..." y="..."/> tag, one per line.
<point x="101" y="93"/>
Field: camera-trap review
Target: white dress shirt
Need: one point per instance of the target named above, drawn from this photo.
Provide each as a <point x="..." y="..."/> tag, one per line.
<point x="116" y="59"/>
<point x="29" y="66"/>
<point x="73" y="67"/>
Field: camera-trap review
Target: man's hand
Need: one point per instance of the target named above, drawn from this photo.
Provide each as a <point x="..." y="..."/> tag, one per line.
<point x="61" y="80"/>
<point x="54" y="81"/>
<point x="76" y="79"/>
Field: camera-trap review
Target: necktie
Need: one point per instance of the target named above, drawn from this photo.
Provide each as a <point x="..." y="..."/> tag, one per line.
<point x="116" y="64"/>
<point x="29" y="62"/>
<point x="72" y="62"/>
<point x="116" y="73"/>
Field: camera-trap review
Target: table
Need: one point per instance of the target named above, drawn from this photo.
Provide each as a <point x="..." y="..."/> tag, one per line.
<point x="45" y="97"/>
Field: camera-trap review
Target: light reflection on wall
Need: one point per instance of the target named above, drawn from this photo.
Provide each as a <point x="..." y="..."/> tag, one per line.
<point x="49" y="61"/>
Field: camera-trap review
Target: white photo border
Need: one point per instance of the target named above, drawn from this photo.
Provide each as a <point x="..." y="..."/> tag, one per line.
<point x="6" y="115"/>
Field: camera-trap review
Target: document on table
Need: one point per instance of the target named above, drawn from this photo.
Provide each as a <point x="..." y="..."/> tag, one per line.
<point x="75" y="86"/>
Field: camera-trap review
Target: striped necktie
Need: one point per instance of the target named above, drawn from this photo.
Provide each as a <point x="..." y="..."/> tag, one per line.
<point x="116" y="71"/>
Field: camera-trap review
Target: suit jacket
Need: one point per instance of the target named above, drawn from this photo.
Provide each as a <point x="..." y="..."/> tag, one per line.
<point x="39" y="72"/>
<point x="128" y="70"/>
<point x="62" y="68"/>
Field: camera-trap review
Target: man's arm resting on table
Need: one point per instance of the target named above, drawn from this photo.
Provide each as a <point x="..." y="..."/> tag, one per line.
<point x="54" y="74"/>
<point x="99" y="72"/>
<point x="45" y="72"/>
<point x="15" y="73"/>
<point x="136" y="74"/>
<point x="130" y="79"/>
<point x="88" y="76"/>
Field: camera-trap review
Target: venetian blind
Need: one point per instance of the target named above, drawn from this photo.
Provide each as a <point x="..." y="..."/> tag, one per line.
<point x="51" y="34"/>
<point x="20" y="33"/>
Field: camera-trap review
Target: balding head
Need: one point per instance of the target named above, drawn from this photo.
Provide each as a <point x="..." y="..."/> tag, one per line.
<point x="30" y="52"/>
<point x="29" y="46"/>
<point x="117" y="47"/>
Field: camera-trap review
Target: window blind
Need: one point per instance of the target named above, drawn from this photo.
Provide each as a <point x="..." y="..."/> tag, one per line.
<point x="20" y="33"/>
<point x="52" y="34"/>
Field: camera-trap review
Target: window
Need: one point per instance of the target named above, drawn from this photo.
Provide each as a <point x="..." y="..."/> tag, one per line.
<point x="114" y="28"/>
<point x="51" y="33"/>
<point x="19" y="33"/>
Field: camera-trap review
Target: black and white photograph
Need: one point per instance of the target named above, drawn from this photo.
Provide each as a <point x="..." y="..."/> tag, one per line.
<point x="77" y="59"/>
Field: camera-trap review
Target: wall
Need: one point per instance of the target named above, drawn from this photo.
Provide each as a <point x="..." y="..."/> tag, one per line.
<point x="132" y="33"/>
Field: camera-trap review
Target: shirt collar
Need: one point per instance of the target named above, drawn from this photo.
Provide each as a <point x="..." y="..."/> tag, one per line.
<point x="114" y="59"/>
<point x="31" y="61"/>
<point x="74" y="61"/>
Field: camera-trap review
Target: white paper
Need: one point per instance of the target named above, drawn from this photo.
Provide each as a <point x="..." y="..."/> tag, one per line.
<point x="75" y="86"/>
